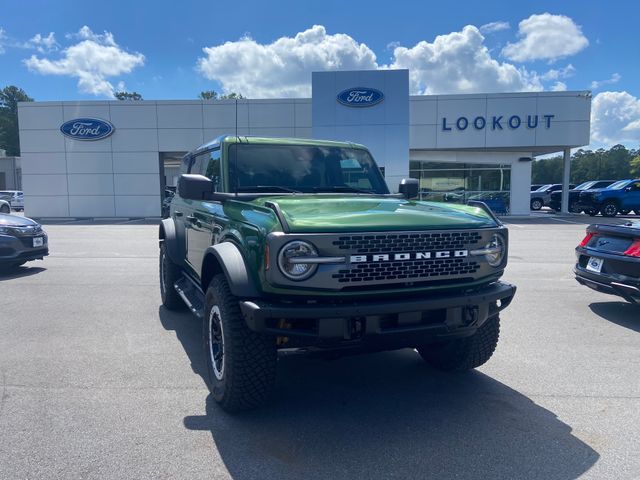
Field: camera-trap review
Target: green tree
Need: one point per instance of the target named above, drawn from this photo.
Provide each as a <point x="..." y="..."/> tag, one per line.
<point x="548" y="170"/>
<point x="9" y="138"/>
<point x="612" y="164"/>
<point x="213" y="95"/>
<point x="131" y="96"/>
<point x="635" y="167"/>
<point x="208" y="95"/>
<point x="232" y="96"/>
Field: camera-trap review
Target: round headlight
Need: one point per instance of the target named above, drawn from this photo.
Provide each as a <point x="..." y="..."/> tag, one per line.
<point x="495" y="250"/>
<point x="289" y="260"/>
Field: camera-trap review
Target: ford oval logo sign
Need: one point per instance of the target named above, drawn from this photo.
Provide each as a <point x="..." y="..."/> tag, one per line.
<point x="87" y="129"/>
<point x="360" y="97"/>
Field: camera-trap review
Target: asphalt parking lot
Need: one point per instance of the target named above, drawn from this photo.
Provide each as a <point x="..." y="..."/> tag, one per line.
<point x="99" y="381"/>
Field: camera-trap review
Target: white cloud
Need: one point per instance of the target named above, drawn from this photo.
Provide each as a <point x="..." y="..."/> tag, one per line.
<point x="615" y="118"/>
<point x="92" y="60"/>
<point x="85" y="33"/>
<point x="3" y="39"/>
<point x="546" y="37"/>
<point x="494" y="27"/>
<point x="555" y="74"/>
<point x="615" y="78"/>
<point x="459" y="62"/>
<point x="43" y="44"/>
<point x="558" y="87"/>
<point x="282" y="68"/>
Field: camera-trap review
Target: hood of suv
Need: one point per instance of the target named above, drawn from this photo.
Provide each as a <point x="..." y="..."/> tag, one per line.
<point x="331" y="213"/>
<point x="16" y="221"/>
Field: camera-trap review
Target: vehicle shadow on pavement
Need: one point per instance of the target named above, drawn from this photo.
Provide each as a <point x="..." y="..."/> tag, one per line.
<point x="20" y="272"/>
<point x="621" y="313"/>
<point x="385" y="415"/>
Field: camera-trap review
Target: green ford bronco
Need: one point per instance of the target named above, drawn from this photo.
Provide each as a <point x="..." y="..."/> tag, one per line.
<point x="291" y="245"/>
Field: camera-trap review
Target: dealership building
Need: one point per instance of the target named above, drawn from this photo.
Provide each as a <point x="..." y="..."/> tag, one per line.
<point x="115" y="158"/>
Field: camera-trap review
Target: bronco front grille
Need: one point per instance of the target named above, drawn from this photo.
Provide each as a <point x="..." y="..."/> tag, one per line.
<point x="414" y="269"/>
<point x="410" y="270"/>
<point x="407" y="242"/>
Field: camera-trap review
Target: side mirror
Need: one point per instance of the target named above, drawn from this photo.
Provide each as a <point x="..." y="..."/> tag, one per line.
<point x="409" y="188"/>
<point x="194" y="187"/>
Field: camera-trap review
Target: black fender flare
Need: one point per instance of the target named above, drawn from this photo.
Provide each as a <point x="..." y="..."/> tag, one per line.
<point x="232" y="264"/>
<point x="167" y="234"/>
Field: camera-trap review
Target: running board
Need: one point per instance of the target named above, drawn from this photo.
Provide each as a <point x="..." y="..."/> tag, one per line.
<point x="191" y="295"/>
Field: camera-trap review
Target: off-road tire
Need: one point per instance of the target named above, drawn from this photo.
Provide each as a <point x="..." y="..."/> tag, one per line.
<point x="464" y="353"/>
<point x="248" y="370"/>
<point x="609" y="209"/>
<point x="536" y="204"/>
<point x="574" y="207"/>
<point x="169" y="273"/>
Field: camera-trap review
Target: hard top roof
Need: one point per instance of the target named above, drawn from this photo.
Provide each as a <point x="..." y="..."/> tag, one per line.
<point x="216" y="142"/>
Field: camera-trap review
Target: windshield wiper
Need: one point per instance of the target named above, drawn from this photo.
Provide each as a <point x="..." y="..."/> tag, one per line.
<point x="341" y="188"/>
<point x="267" y="188"/>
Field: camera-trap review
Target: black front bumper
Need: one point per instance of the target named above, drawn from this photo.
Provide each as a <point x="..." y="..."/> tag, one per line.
<point x="403" y="319"/>
<point x="15" y="249"/>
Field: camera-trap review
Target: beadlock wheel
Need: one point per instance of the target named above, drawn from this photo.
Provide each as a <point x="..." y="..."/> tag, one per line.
<point x="216" y="342"/>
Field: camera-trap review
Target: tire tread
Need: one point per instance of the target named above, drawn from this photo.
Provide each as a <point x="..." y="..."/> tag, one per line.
<point x="465" y="353"/>
<point x="251" y="358"/>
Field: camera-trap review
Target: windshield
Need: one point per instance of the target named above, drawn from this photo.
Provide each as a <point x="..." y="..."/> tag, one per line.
<point x="618" y="185"/>
<point x="303" y="169"/>
<point x="585" y="185"/>
<point x="544" y="187"/>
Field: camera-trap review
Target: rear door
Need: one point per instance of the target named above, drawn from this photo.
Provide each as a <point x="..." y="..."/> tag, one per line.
<point x="180" y="208"/>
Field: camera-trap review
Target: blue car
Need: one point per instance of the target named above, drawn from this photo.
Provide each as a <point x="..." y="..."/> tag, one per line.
<point x="622" y="197"/>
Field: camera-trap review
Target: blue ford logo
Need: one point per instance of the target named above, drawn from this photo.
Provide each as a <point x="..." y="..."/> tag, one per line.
<point x="360" y="97"/>
<point x="87" y="129"/>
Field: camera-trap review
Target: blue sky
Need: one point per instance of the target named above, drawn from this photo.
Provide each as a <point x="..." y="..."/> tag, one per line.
<point x="268" y="49"/>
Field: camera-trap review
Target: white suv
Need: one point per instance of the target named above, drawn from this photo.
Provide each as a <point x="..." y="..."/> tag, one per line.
<point x="14" y="197"/>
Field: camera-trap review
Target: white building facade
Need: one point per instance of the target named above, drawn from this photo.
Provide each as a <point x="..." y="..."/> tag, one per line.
<point x="461" y="147"/>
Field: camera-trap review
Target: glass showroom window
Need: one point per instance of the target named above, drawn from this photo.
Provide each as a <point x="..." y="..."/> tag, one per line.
<point x="461" y="182"/>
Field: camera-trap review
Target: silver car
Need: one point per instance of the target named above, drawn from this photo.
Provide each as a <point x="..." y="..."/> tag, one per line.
<point x="542" y="196"/>
<point x="14" y="197"/>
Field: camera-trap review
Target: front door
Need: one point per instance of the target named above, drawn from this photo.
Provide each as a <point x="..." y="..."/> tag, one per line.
<point x="202" y="223"/>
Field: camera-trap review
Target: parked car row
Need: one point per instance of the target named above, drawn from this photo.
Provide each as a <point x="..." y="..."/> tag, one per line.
<point x="555" y="201"/>
<point x="607" y="197"/>
<point x="542" y="196"/>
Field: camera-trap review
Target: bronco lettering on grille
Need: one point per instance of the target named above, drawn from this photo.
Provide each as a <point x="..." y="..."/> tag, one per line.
<point x="395" y="257"/>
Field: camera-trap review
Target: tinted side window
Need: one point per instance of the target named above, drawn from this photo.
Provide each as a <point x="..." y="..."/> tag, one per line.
<point x="212" y="169"/>
<point x="184" y="166"/>
<point x="199" y="163"/>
